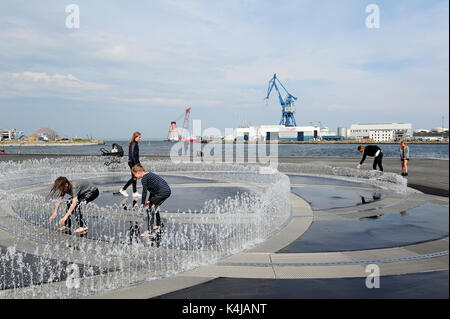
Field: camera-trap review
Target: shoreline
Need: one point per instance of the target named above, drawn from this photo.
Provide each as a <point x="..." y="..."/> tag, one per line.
<point x="42" y="155"/>
<point x="49" y="144"/>
<point x="102" y="142"/>
<point x="322" y="142"/>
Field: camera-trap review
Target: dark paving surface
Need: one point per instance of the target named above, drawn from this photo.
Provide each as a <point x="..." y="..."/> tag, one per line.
<point x="25" y="269"/>
<point x="430" y="190"/>
<point x="322" y="198"/>
<point x="431" y="285"/>
<point x="424" y="223"/>
<point x="240" y="175"/>
<point x="181" y="199"/>
<point x="121" y="180"/>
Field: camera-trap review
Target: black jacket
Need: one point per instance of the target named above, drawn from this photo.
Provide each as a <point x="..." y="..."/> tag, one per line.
<point x="133" y="153"/>
<point x="370" y="150"/>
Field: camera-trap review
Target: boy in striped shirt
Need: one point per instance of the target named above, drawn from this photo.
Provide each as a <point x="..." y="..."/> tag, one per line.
<point x="159" y="192"/>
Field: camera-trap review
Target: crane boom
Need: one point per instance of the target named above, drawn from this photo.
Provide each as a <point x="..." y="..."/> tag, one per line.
<point x="174" y="134"/>
<point x="287" y="104"/>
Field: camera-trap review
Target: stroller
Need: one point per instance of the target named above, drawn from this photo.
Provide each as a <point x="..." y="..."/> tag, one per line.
<point x="113" y="156"/>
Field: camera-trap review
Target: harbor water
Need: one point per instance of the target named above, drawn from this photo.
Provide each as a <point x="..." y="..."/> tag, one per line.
<point x="437" y="151"/>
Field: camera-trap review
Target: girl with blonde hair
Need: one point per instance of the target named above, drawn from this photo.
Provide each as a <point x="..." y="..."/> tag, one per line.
<point x="404" y="157"/>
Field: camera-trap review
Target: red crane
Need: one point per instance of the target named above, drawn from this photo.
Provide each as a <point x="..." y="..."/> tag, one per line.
<point x="174" y="135"/>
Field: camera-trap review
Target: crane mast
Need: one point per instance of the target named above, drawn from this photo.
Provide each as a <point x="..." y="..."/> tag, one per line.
<point x="287" y="104"/>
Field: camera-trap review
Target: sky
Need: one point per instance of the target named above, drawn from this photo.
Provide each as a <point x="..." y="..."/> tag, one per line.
<point x="136" y="65"/>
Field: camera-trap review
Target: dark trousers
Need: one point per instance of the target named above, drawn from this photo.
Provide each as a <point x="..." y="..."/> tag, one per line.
<point x="378" y="161"/>
<point x="133" y="180"/>
<point x="155" y="203"/>
<point x="87" y="198"/>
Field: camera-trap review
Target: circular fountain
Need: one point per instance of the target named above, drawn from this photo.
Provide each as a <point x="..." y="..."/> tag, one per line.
<point x="222" y="220"/>
<point x="215" y="210"/>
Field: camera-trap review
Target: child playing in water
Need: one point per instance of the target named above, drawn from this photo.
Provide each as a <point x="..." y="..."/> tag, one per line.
<point x="159" y="192"/>
<point x="80" y="192"/>
<point x="373" y="151"/>
<point x="133" y="159"/>
<point x="404" y="157"/>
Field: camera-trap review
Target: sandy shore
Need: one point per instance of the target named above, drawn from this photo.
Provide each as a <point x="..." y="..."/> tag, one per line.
<point x="430" y="176"/>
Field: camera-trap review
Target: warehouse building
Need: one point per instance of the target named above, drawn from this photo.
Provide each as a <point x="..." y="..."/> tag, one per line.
<point x="282" y="133"/>
<point x="381" y="132"/>
<point x="11" y="134"/>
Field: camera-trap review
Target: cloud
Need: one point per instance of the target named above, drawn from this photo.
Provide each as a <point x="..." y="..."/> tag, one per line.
<point x="164" y="101"/>
<point x="16" y="84"/>
<point x="60" y="80"/>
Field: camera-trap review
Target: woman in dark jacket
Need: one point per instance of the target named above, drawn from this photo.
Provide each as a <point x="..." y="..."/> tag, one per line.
<point x="133" y="159"/>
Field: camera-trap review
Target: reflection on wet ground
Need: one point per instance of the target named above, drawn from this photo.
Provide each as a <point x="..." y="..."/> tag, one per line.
<point x="320" y="198"/>
<point x="423" y="223"/>
<point x="315" y="180"/>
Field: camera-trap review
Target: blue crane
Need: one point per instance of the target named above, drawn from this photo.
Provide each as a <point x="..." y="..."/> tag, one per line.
<point x="287" y="105"/>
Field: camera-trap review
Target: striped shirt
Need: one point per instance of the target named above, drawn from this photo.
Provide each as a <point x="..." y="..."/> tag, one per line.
<point x="156" y="185"/>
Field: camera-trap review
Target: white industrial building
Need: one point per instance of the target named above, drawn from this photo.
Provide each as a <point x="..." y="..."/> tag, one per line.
<point x="11" y="134"/>
<point x="439" y="129"/>
<point x="421" y="130"/>
<point x="342" y="132"/>
<point x="283" y="133"/>
<point x="380" y="132"/>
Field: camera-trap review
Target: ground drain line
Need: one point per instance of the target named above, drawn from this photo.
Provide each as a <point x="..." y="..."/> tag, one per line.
<point x="340" y="263"/>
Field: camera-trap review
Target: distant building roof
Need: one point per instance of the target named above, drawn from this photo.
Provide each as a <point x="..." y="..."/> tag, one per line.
<point x="45" y="131"/>
<point x="439" y="129"/>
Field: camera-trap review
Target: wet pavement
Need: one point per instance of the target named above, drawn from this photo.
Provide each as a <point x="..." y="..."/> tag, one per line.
<point x="182" y="199"/>
<point x="321" y="199"/>
<point x="424" y="223"/>
<point x="314" y="180"/>
<point x="431" y="285"/>
<point x="170" y="179"/>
